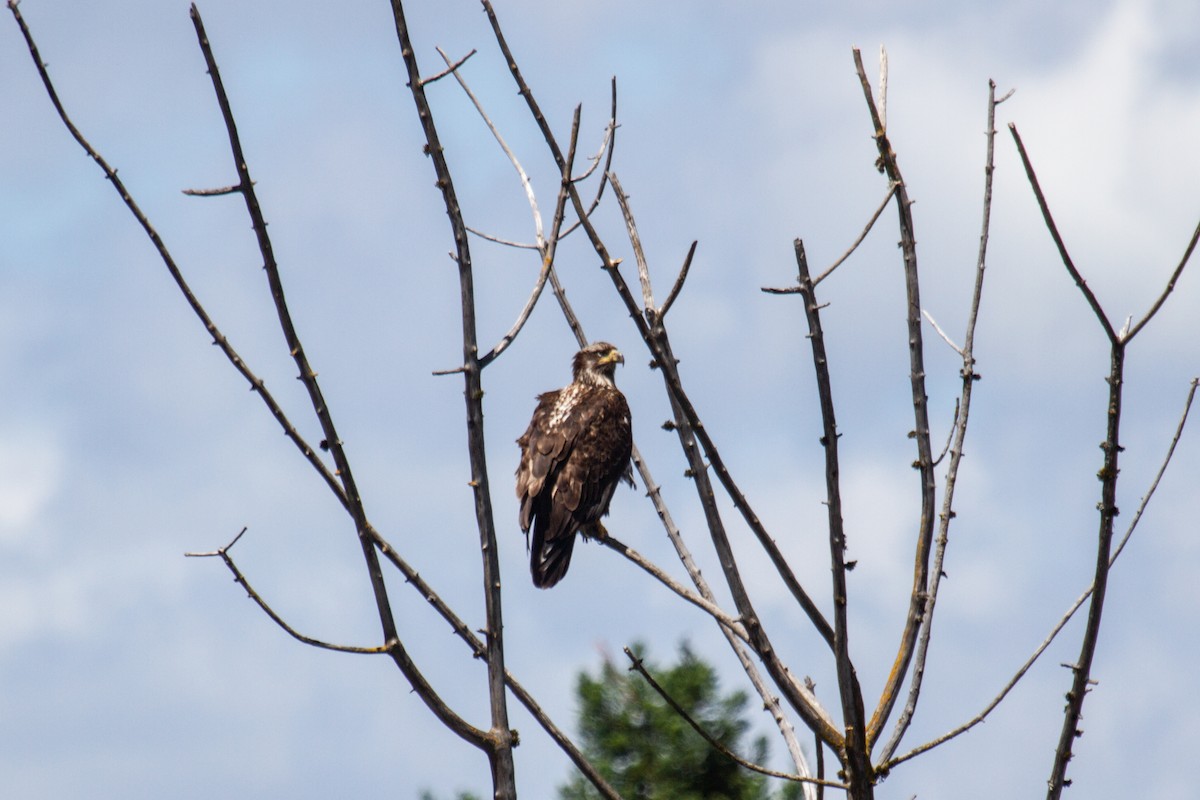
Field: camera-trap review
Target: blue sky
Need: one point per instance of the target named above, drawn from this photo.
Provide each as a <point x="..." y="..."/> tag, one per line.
<point x="126" y="439"/>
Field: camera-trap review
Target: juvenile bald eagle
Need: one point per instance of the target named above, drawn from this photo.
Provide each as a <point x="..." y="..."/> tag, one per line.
<point x="574" y="452"/>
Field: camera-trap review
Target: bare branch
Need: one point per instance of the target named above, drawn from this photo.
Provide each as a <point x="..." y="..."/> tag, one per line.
<point x="1058" y="242"/>
<point x="916" y="352"/>
<point x="1082" y="668"/>
<point x="548" y="250"/>
<point x="607" y="149"/>
<point x="635" y="241"/>
<point x="770" y="700"/>
<point x="945" y="337"/>
<point x="867" y="229"/>
<point x="450" y="68"/>
<point x="850" y="251"/>
<point x="308" y="378"/>
<point x="501" y="737"/>
<point x="479" y="650"/>
<point x="1062" y="622"/>
<point x="636" y="664"/>
<point x="678" y="287"/>
<point x="883" y="85"/>
<point x="1187" y="254"/>
<point x="219" y="339"/>
<point x="713" y="610"/>
<point x="238" y="577"/>
<point x="498" y="240"/>
<point x="950" y="433"/>
<point x="850" y="692"/>
<point x="512" y="157"/>
<point x="958" y="433"/>
<point x="212" y="192"/>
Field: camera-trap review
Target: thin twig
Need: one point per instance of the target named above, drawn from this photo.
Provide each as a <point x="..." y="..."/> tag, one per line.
<point x="548" y="250"/>
<point x="636" y="664"/>
<point x="849" y="252"/>
<point x="635" y="242"/>
<point x="1162" y="298"/>
<point x="450" y="67"/>
<point x="608" y="149"/>
<point x="512" y="157"/>
<point x="883" y="85"/>
<point x="713" y="610"/>
<point x="224" y="190"/>
<point x="678" y="287"/>
<point x="499" y="240"/>
<point x="238" y="577"/>
<point x="945" y="336"/>
<point x="949" y="433"/>
<point x="866" y="229"/>
<point x="1058" y="242"/>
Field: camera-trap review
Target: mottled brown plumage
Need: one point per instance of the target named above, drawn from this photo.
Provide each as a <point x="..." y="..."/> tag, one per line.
<point x="576" y="449"/>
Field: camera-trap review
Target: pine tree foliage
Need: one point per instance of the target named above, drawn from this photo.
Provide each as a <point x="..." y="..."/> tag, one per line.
<point x="648" y="752"/>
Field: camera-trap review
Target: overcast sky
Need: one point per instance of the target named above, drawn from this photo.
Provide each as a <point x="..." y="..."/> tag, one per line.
<point x="126" y="439"/>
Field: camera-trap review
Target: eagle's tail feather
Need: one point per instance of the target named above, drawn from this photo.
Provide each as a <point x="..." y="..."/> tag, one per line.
<point x="551" y="552"/>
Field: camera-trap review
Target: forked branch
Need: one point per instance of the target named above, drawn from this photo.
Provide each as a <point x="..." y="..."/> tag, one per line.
<point x="958" y="436"/>
<point x="1070" y="613"/>
<point x="239" y="578"/>
<point x="307" y="375"/>
<point x="924" y="463"/>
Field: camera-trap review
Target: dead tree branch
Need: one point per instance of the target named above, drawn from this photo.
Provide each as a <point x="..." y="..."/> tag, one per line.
<point x="857" y="756"/>
<point x="501" y="737"/>
<point x="1062" y="622"/>
<point x="804" y="703"/>
<point x="238" y="577"/>
<point x="219" y="339"/>
<point x="959" y="433"/>
<point x="770" y="700"/>
<point x="654" y="334"/>
<point x="891" y="192"/>
<point x="547" y="249"/>
<point x="1107" y="475"/>
<point x="703" y="603"/>
<point x="678" y="287"/>
<point x="916" y="351"/>
<point x="637" y="665"/>
<point x="307" y="375"/>
<point x="1058" y="242"/>
<point x="479" y="650"/>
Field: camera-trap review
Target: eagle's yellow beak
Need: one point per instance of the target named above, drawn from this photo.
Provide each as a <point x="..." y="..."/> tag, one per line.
<point x="612" y="357"/>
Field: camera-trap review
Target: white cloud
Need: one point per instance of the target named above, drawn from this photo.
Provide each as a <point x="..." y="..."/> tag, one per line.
<point x="30" y="473"/>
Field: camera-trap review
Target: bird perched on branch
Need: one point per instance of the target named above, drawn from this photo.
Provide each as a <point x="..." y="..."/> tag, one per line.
<point x="576" y="449"/>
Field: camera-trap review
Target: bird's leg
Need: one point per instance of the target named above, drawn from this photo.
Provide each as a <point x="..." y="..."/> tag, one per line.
<point x="594" y="530"/>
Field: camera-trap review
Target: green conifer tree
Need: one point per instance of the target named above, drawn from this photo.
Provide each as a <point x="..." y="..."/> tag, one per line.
<point x="648" y="752"/>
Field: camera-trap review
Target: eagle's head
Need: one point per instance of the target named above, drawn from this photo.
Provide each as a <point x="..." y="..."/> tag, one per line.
<point x="596" y="363"/>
